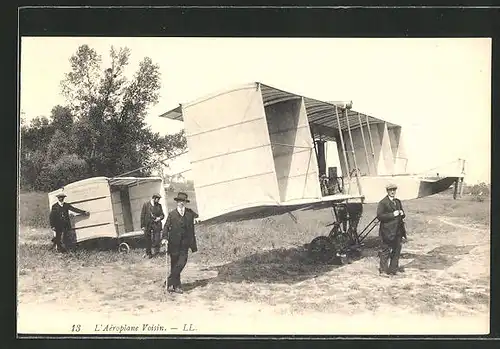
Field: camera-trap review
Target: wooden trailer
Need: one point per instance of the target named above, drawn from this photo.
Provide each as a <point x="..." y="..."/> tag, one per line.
<point x="114" y="204"/>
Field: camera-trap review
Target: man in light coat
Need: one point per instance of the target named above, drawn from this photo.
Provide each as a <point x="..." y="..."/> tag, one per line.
<point x="391" y="215"/>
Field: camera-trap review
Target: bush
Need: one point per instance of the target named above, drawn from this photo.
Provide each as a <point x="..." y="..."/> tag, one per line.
<point x="34" y="209"/>
<point x="478" y="190"/>
<point x="67" y="169"/>
<point x="478" y="198"/>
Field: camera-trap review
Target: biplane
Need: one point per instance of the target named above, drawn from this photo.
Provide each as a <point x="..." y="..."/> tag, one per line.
<point x="255" y="148"/>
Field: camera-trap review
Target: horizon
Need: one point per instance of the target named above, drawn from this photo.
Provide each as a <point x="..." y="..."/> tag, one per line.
<point x="430" y="87"/>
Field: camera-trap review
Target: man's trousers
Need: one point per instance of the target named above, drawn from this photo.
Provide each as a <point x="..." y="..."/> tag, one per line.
<point x="389" y="253"/>
<point x="177" y="263"/>
<point x="153" y="239"/>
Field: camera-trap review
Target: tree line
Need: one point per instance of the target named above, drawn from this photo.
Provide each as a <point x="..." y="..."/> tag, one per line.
<point x="101" y="130"/>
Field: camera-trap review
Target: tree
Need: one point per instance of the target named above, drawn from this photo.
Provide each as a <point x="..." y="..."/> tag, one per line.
<point x="101" y="131"/>
<point x="62" y="119"/>
<point x="112" y="135"/>
<point x="34" y="140"/>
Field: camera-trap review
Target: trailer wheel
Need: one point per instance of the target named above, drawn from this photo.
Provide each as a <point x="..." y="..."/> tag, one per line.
<point x="123" y="248"/>
<point x="321" y="249"/>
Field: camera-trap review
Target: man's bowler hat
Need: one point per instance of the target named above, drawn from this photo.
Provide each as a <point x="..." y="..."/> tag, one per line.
<point x="61" y="195"/>
<point x="181" y="197"/>
<point x="156" y="195"/>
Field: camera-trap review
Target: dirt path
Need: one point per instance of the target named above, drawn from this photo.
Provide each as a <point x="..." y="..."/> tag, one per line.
<point x="460" y="226"/>
<point x="444" y="291"/>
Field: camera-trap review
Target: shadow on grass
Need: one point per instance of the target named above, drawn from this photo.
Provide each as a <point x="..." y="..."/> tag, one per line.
<point x="192" y="285"/>
<point x="440" y="258"/>
<point x="110" y="244"/>
<point x="275" y="266"/>
<point x="294" y="265"/>
<point x="286" y="266"/>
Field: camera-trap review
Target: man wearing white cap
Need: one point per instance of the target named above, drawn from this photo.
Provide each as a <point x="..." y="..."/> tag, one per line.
<point x="390" y="214"/>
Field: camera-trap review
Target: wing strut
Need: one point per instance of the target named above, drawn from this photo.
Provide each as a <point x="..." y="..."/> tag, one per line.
<point x="343" y="150"/>
<point x="364" y="144"/>
<point x="353" y="153"/>
<point x="143" y="167"/>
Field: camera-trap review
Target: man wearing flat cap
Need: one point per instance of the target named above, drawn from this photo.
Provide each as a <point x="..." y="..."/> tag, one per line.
<point x="151" y="217"/>
<point x="391" y="231"/>
<point x="180" y="237"/>
<point x="60" y="223"/>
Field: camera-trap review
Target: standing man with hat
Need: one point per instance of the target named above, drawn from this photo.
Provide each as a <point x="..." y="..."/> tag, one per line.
<point x="390" y="214"/>
<point x="60" y="223"/>
<point x="151" y="217"/>
<point x="179" y="234"/>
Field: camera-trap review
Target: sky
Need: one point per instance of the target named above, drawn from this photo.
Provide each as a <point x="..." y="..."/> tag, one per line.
<point x="438" y="90"/>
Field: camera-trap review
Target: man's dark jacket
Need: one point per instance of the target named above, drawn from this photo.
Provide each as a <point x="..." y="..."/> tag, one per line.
<point x="179" y="231"/>
<point x="59" y="216"/>
<point x="148" y="213"/>
<point x="390" y="226"/>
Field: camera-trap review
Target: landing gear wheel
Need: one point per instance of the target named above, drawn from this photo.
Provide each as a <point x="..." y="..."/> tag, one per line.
<point x="321" y="249"/>
<point x="123" y="248"/>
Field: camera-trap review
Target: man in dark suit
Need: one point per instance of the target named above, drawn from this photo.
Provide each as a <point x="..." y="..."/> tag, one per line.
<point x="390" y="214"/>
<point x="151" y="217"/>
<point x="60" y="223"/>
<point x="180" y="237"/>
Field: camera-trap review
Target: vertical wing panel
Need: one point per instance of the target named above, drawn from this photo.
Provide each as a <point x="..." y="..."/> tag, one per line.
<point x="304" y="166"/>
<point x="293" y="151"/>
<point x="230" y="152"/>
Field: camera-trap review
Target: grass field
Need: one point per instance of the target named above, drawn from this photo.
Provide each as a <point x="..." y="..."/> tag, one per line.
<point x="250" y="272"/>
